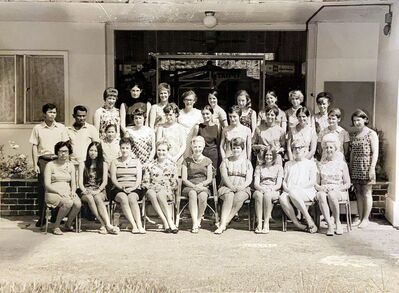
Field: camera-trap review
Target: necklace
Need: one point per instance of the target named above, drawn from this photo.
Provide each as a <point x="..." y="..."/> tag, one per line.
<point x="197" y="161"/>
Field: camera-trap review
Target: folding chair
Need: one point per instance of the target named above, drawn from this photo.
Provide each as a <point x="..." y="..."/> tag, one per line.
<point x="107" y="205"/>
<point x="114" y="216"/>
<point x="309" y="204"/>
<point x="46" y="215"/>
<point x="347" y="205"/>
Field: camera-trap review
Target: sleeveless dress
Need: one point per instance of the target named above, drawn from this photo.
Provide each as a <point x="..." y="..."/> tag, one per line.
<point x="269" y="175"/>
<point x="361" y="158"/>
<point x="301" y="173"/>
<point x="332" y="174"/>
<point x="141" y="143"/>
<point x="159" y="115"/>
<point x="108" y="117"/>
<point x="133" y="104"/>
<point x="61" y="177"/>
<point x="237" y="172"/>
<point x="273" y="136"/>
<point x="240" y="131"/>
<point x="212" y="142"/>
<point x="246" y="120"/>
<point x="126" y="175"/>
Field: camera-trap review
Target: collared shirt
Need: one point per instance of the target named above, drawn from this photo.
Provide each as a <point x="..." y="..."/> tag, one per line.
<point x="45" y="137"/>
<point x="80" y="140"/>
<point x="342" y="134"/>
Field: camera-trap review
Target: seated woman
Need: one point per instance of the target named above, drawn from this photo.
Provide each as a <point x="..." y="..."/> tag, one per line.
<point x="93" y="178"/>
<point x="197" y="176"/>
<point x="236" y="171"/>
<point x="160" y="180"/>
<point x="299" y="186"/>
<point x="268" y="180"/>
<point x="173" y="133"/>
<point x="333" y="183"/>
<point x="126" y="174"/>
<point x="60" y="184"/>
<point x="142" y="138"/>
<point x="304" y="132"/>
<point x="269" y="133"/>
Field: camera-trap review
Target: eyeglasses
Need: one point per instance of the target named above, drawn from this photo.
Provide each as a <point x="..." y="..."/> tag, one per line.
<point x="298" y="147"/>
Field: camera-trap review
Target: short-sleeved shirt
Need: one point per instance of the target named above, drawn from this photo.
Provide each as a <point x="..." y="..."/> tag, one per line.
<point x="46" y="137"/>
<point x="219" y="115"/>
<point x="269" y="175"/>
<point x="80" y="140"/>
<point x="111" y="150"/>
<point x="341" y="133"/>
<point x="197" y="172"/>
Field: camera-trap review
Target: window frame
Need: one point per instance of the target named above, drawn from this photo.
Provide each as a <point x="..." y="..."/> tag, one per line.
<point x="17" y="109"/>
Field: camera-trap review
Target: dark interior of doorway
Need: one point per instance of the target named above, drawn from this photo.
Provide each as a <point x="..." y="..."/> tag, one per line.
<point x="134" y="61"/>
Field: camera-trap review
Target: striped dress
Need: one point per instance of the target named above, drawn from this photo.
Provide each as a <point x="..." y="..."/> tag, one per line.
<point x="126" y="172"/>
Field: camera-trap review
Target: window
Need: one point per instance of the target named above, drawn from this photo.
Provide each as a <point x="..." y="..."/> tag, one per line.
<point x="29" y="80"/>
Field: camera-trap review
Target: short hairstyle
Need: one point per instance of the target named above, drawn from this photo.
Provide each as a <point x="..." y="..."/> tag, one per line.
<point x="208" y="108"/>
<point x="273" y="108"/>
<point x="47" y="107"/>
<point x="139" y="112"/>
<point x="162" y="141"/>
<point x="246" y="95"/>
<point x="237" y="141"/>
<point x="198" y="139"/>
<point x="189" y="93"/>
<point x="163" y="86"/>
<point x="234" y="109"/>
<point x="109" y="126"/>
<point x="362" y="114"/>
<point x="298" y="142"/>
<point x="125" y="140"/>
<point x="271" y="93"/>
<point x="296" y="93"/>
<point x="62" y="144"/>
<point x="214" y="93"/>
<point x="137" y="84"/>
<point x="110" y="91"/>
<point x="264" y="151"/>
<point x="323" y="95"/>
<point x="171" y="107"/>
<point x="335" y="112"/>
<point x="303" y="110"/>
<point x="79" y="108"/>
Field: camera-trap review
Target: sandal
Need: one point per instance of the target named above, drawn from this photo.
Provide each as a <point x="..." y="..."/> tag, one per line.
<point x="103" y="230"/>
<point x="258" y="231"/>
<point x="195" y="230"/>
<point x="114" y="230"/>
<point x="57" y="231"/>
<point x="311" y="229"/>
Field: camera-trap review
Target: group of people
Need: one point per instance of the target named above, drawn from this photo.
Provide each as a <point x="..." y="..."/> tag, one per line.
<point x="140" y="150"/>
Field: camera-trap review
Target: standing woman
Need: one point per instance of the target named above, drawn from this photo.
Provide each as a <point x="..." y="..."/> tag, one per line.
<point x="281" y="118"/>
<point x="108" y="114"/>
<point x="234" y="130"/>
<point x="136" y="100"/>
<point x="60" y="184"/>
<point x="304" y="132"/>
<point x="93" y="178"/>
<point x="296" y="98"/>
<point x="363" y="159"/>
<point x="247" y="115"/>
<point x="210" y="131"/>
<point x="142" y="138"/>
<point x="173" y="133"/>
<point x="157" y="115"/>
<point x="160" y="180"/>
<point x="270" y="134"/>
<point x="219" y="115"/>
<point x="189" y="117"/>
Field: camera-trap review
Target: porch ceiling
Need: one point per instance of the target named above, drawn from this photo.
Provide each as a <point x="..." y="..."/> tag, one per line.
<point x="239" y="12"/>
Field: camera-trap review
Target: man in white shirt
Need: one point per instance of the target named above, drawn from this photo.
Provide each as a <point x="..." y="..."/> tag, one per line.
<point x="43" y="139"/>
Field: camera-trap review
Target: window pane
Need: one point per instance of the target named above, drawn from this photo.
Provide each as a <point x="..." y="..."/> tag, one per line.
<point x="45" y="84"/>
<point x="7" y="89"/>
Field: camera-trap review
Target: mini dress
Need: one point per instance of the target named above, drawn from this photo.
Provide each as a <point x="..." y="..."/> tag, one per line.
<point x="237" y="172"/>
<point x="361" y="158"/>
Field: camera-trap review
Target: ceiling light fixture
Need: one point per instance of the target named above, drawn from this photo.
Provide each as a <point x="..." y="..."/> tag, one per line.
<point x="210" y="21"/>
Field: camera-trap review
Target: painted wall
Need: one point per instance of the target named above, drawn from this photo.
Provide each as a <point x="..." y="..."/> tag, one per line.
<point x="343" y="52"/>
<point x="387" y="95"/>
<point x="85" y="44"/>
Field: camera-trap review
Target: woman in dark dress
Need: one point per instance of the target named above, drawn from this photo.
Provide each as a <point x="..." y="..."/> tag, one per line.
<point x="136" y="101"/>
<point x="210" y="131"/>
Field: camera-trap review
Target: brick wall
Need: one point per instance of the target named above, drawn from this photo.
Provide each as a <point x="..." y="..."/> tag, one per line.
<point x="18" y="197"/>
<point x="380" y="193"/>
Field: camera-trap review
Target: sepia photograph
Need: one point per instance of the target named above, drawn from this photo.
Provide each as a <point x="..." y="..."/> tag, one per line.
<point x="199" y="146"/>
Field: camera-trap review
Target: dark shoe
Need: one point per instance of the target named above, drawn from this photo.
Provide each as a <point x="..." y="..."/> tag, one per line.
<point x="175" y="231"/>
<point x="40" y="223"/>
<point x="168" y="231"/>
